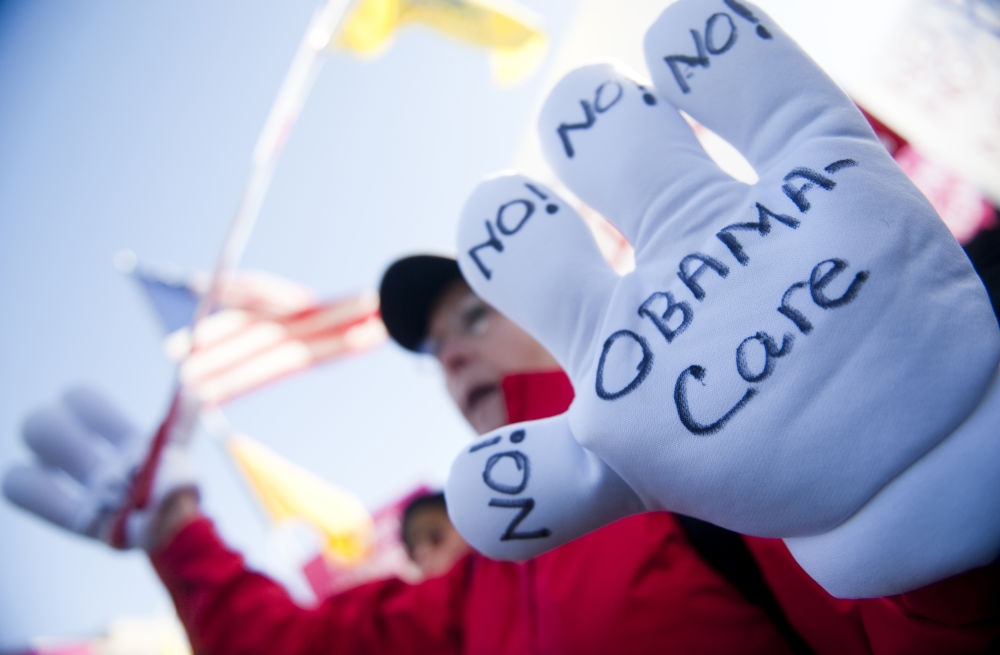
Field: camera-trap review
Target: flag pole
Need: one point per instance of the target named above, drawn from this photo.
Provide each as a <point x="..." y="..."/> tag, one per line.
<point x="285" y="110"/>
<point x="274" y="135"/>
<point x="179" y="421"/>
<point x="222" y="432"/>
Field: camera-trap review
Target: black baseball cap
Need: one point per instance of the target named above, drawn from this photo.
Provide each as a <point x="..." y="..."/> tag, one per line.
<point x="407" y="293"/>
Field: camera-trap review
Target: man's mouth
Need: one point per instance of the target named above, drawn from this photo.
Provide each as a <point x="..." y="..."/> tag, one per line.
<point x="478" y="394"/>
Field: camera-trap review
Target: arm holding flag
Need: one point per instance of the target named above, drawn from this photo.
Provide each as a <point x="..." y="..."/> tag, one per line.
<point x="117" y="495"/>
<point x="225" y="607"/>
<point x="87" y="459"/>
<point x="136" y="492"/>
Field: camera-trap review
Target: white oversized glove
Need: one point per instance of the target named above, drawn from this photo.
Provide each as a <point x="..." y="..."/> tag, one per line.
<point x="809" y="357"/>
<point x="85" y="477"/>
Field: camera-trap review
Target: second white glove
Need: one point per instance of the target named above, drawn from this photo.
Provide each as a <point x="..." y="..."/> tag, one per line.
<point x="86" y="457"/>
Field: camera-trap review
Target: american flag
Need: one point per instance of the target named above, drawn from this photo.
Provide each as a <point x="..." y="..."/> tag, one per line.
<point x="264" y="329"/>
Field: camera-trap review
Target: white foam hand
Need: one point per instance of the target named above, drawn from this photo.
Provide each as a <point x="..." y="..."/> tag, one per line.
<point x="87" y="455"/>
<point x="785" y="356"/>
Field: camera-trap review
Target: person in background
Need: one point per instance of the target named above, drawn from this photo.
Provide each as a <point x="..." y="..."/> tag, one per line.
<point x="431" y="541"/>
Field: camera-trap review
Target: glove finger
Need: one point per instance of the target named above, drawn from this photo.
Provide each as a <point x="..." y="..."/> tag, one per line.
<point x="731" y="68"/>
<point x="627" y="153"/>
<point x="529" y="254"/>
<point x="39" y="492"/>
<point x="62" y="443"/>
<point x="99" y="415"/>
<point x="531" y="487"/>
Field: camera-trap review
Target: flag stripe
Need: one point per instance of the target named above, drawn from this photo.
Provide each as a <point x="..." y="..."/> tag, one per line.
<point x="265" y="328"/>
<point x="266" y="351"/>
<point x="285" y="359"/>
<point x="256" y="337"/>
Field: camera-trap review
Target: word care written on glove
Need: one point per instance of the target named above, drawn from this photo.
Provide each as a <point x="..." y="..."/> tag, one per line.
<point x="808" y="357"/>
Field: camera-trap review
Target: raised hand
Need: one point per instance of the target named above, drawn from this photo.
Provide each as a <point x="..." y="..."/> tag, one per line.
<point x="786" y="354"/>
<point x="86" y="457"/>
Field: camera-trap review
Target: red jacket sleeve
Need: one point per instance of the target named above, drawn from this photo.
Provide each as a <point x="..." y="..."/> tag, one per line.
<point x="955" y="616"/>
<point x="228" y="609"/>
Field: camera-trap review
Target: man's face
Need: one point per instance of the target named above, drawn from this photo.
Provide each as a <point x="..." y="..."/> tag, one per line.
<point x="477" y="347"/>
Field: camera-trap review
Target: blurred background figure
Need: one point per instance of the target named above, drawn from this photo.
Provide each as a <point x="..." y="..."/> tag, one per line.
<point x="432" y="542"/>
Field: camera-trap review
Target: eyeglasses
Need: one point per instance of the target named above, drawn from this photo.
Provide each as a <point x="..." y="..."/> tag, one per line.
<point x="471" y="320"/>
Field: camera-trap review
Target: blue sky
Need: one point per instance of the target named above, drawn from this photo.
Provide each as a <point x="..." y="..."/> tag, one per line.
<point x="130" y="125"/>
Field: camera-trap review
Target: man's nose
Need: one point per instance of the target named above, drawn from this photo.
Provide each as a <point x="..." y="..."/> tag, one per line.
<point x="453" y="355"/>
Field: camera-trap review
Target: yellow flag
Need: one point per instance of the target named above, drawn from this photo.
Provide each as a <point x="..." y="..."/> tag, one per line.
<point x="289" y="491"/>
<point x="516" y="47"/>
<point x="367" y="28"/>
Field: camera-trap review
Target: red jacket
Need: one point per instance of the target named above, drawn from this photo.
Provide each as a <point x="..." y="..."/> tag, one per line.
<point x="636" y="586"/>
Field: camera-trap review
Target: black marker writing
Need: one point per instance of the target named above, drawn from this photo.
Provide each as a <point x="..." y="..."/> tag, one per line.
<point x="762" y="226"/>
<point x="485" y="443"/>
<point x="811" y="177"/>
<point x="756" y="356"/>
<point x="819" y="279"/>
<point x="794" y="315"/>
<point x="511" y="216"/>
<point x="821" y="276"/>
<point x="662" y="319"/>
<point x="523" y="207"/>
<point x="717" y="37"/>
<point x="690" y="276"/>
<point x="771" y="352"/>
<point x="647" y="97"/>
<point x="523" y="465"/>
<point x="684" y="409"/>
<point x="798" y="194"/>
<point x="511" y="487"/>
<point x="712" y="34"/>
<point x="643" y="368"/>
<point x="606" y="96"/>
<point x="550" y="208"/>
<point x="564" y="128"/>
<point x="492" y="242"/>
<point x="839" y="164"/>
<point x="525" y="505"/>
<point x="700" y="58"/>
<point x="672" y="317"/>
<point x="744" y="12"/>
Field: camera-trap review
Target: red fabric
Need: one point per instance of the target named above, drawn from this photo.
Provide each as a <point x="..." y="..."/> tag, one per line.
<point x="954" y="616"/>
<point x="536" y="395"/>
<point x="632" y="587"/>
<point x="229" y="609"/>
